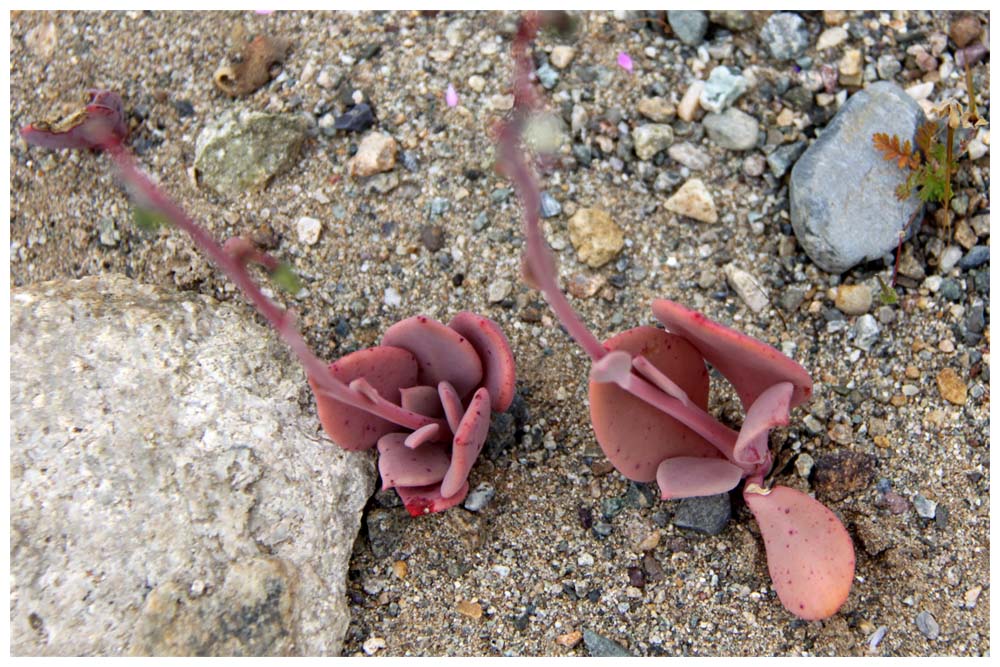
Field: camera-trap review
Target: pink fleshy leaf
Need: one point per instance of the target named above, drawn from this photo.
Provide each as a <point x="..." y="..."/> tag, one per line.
<point x="691" y="476"/>
<point x="615" y="366"/>
<point x="384" y="368"/>
<point x="665" y="384"/>
<point x="420" y="500"/>
<point x="769" y="410"/>
<point x="489" y="341"/>
<point x="421" y="399"/>
<point x="100" y="125"/>
<point x="634" y="435"/>
<point x="469" y="439"/>
<point x="400" y="465"/>
<point x="450" y="96"/>
<point x="625" y="61"/>
<point x="750" y="365"/>
<point x="452" y="404"/>
<point x="424" y="434"/>
<point x="809" y="552"/>
<point x="441" y="352"/>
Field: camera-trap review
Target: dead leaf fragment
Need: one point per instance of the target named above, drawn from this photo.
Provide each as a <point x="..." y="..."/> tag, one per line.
<point x="260" y="55"/>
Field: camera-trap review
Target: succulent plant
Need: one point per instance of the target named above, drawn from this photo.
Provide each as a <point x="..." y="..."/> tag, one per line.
<point x="424" y="396"/>
<point x="649" y="394"/>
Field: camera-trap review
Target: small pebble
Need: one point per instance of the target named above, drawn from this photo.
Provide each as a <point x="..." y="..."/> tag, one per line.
<point x="951" y="386"/>
<point x="372" y="645"/>
<point x="927" y="625"/>
<point x="471" y="609"/>
<point x="498" y="290"/>
<point x="550" y="208"/>
<point x="602" y="647"/>
<point x="925" y="508"/>
<point x="308" y="230"/>
<point x="570" y="639"/>
<point x="693" y="200"/>
<point x="479" y="497"/>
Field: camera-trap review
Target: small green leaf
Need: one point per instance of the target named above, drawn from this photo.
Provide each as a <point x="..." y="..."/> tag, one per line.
<point x="285" y="278"/>
<point x="886" y="295"/>
<point x="148" y="219"/>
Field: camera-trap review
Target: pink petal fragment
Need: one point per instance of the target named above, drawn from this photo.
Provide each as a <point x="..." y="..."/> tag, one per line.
<point x="615" y="366"/>
<point x="423" y="400"/>
<point x="450" y="96"/>
<point x="453" y="410"/>
<point x="441" y="352"/>
<point x="420" y="500"/>
<point x="400" y="465"/>
<point x="625" y="61"/>
<point x="750" y="365"/>
<point x="101" y="124"/>
<point x="634" y="435"/>
<point x="427" y="433"/>
<point x="809" y="552"/>
<point x="489" y="341"/>
<point x="691" y="476"/>
<point x="769" y="410"/>
<point x="469" y="439"/>
<point x="386" y="369"/>
<point x="666" y="385"/>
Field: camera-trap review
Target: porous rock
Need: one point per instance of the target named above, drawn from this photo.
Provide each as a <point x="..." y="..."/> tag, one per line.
<point x="171" y="491"/>
<point x="596" y="237"/>
<point x="844" y="208"/>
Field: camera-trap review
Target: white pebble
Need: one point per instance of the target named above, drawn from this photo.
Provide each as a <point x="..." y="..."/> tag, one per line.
<point x="308" y="230"/>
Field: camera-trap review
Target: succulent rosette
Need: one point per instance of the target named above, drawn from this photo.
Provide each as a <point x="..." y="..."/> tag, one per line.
<point x="424" y="398"/>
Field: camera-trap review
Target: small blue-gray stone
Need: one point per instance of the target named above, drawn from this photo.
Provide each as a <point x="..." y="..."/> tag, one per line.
<point x="602" y="647"/>
<point x="925" y="508"/>
<point x="722" y="88"/>
<point x="689" y="26"/>
<point x="356" y="119"/>
<point x="705" y="514"/>
<point x="547" y="76"/>
<point x="611" y="507"/>
<point x="866" y="331"/>
<point x="481" y="222"/>
<point x="732" y="129"/>
<point x="783" y="157"/>
<point x="550" y="208"/>
<point x="927" y="625"/>
<point x="843" y="201"/>
<point x="583" y="154"/>
<point x="950" y="289"/>
<point x="977" y="256"/>
<point x="500" y="195"/>
<point x="439" y="205"/>
<point x="786" y="35"/>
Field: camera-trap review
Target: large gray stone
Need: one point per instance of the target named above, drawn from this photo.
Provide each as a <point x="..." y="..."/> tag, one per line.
<point x="171" y="491"/>
<point x="243" y="151"/>
<point x="843" y="194"/>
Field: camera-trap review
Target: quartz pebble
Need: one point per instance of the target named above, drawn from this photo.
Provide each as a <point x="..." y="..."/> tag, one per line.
<point x="693" y="200"/>
<point x="308" y="230"/>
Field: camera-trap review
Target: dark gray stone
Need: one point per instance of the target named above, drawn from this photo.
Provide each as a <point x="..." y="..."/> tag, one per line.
<point x="977" y="256"/>
<point x="783" y="157"/>
<point x="688" y="26"/>
<point x="550" y="207"/>
<point x="600" y="646"/>
<point x="843" y="194"/>
<point x="356" y="119"/>
<point x="705" y="514"/>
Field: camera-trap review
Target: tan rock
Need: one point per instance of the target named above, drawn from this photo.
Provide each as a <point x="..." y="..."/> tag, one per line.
<point x="965" y="29"/>
<point x="470" y="609"/>
<point x="951" y="386"/>
<point x="831" y="37"/>
<point x="850" y="66"/>
<point x="690" y="103"/>
<point x="570" y="639"/>
<point x="853" y="299"/>
<point x="657" y="109"/>
<point x="834" y="16"/>
<point x="595" y="236"/>
<point x="562" y="56"/>
<point x="377" y="153"/>
<point x="694" y="201"/>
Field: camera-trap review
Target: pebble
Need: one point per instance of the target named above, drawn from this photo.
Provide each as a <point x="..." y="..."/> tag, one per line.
<point x="732" y="129"/>
<point x="851" y="66"/>
<point x="471" y="609"/>
<point x="373" y="645"/>
<point x="595" y="236"/>
<point x="836" y="476"/>
<point x="977" y="256"/>
<point x="927" y="625"/>
<point x="964" y="30"/>
<point x="584" y="560"/>
<point x="722" y="89"/>
<point x="308" y="230"/>
<point x="949" y="258"/>
<point x="656" y="109"/>
<point x="550" y="207"/>
<point x="479" y="497"/>
<point x="786" y="35"/>
<point x="652" y="138"/>
<point x="477" y="83"/>
<point x="693" y="200"/>
<point x="498" y="290"/>
<point x="853" y="299"/>
<point x="432" y="236"/>
<point x="547" y="76"/>
<point x="972" y="596"/>
<point x="887" y="67"/>
<point x="602" y="647"/>
<point x="690" y="156"/>
<point x="804" y="465"/>
<point x="951" y="386"/>
<point x="876" y="637"/>
<point x="377" y="153"/>
<point x="733" y="19"/>
<point x="781" y="159"/>
<point x="688" y="26"/>
<point x="950" y="289"/>
<point x="570" y="639"/>
<point x="753" y="165"/>
<point x="356" y="119"/>
<point x="925" y="508"/>
<point x="689" y="104"/>
<point x="561" y="56"/>
<point x="866" y="332"/>
<point x="704" y="514"/>
<point x="108" y="232"/>
<point x="831" y="37"/>
<point x="747" y="287"/>
<point x="392" y="298"/>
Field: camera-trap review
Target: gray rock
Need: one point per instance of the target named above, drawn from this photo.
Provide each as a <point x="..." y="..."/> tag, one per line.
<point x="550" y="206"/>
<point x="925" y="508"/>
<point x="547" y="76"/>
<point x="479" y="497"/>
<point x="748" y="288"/>
<point x="652" y="138"/>
<point x="243" y="151"/>
<point x="844" y="208"/>
<point x="732" y="129"/>
<point x="977" y="256"/>
<point x="690" y="156"/>
<point x="733" y="19"/>
<point x="866" y="331"/>
<point x="600" y="646"/>
<point x="927" y="625"/>
<point x="688" y="26"/>
<point x="722" y="88"/>
<point x="783" y="157"/>
<point x="705" y="514"/>
<point x="888" y="67"/>
<point x="786" y="35"/>
<point x="171" y="492"/>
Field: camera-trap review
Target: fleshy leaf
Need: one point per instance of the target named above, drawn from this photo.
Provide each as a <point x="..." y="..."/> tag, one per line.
<point x="665" y="384"/>
<point x="750" y="365"/>
<point x="634" y="435"/>
<point x="400" y="465"/>
<point x="809" y="552"/>
<point x="424" y="434"/>
<point x="421" y="399"/>
<point x="615" y="366"/>
<point x="489" y="341"/>
<point x="691" y="476"/>
<point x="384" y="368"/>
<point x="99" y="125"/>
<point x="420" y="500"/>
<point x="469" y="439"/>
<point x="452" y="404"/>
<point x="769" y="410"/>
<point x="441" y="352"/>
